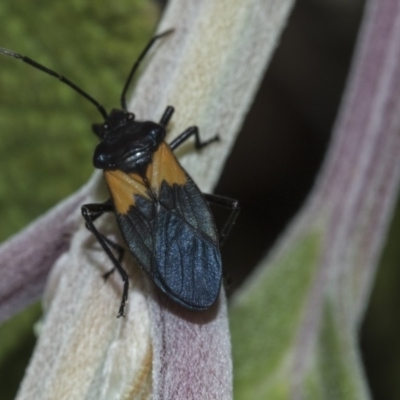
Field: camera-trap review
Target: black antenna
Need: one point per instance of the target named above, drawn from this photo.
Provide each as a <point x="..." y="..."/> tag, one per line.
<point x="136" y="65"/>
<point x="41" y="67"/>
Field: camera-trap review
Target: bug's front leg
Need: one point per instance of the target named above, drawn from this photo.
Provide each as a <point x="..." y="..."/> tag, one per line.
<point x="96" y="211"/>
<point x="90" y="213"/>
<point x="192" y="131"/>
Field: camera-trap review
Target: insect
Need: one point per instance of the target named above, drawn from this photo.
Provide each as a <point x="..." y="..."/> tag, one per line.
<point x="163" y="217"/>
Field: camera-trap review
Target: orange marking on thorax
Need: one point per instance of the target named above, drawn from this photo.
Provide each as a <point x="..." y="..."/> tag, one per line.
<point x="165" y="167"/>
<point x="123" y="188"/>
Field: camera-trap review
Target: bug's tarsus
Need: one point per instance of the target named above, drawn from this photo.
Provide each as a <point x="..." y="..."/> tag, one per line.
<point x="97" y="209"/>
<point x="136" y="66"/>
<point x="232" y="205"/>
<point x="199" y="145"/>
<point x="192" y="131"/>
<point x="122" y="306"/>
<point x="62" y="78"/>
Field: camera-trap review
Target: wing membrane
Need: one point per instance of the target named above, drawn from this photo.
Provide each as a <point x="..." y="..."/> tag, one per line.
<point x="187" y="263"/>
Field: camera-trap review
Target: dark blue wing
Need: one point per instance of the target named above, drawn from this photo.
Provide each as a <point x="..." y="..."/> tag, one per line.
<point x="174" y="240"/>
<point x="187" y="264"/>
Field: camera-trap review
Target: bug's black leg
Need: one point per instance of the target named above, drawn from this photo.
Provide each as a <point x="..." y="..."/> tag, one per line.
<point x="192" y="131"/>
<point x="166" y="116"/>
<point x="232" y="205"/>
<point x="97" y="209"/>
<point x="120" y="251"/>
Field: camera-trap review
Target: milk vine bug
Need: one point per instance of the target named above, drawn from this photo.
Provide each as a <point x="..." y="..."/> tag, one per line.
<point x="163" y="217"/>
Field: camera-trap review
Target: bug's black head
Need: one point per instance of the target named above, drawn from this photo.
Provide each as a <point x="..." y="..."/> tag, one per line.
<point x="126" y="144"/>
<point x="116" y="120"/>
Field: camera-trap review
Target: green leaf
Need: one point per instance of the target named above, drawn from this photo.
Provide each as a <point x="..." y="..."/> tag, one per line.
<point x="264" y="322"/>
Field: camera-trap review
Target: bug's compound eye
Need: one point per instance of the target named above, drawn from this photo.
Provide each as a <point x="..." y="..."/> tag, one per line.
<point x="131" y="116"/>
<point x="99" y="130"/>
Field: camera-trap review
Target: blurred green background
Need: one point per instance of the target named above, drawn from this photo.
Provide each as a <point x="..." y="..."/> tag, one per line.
<point x="46" y="142"/>
<point x="45" y="127"/>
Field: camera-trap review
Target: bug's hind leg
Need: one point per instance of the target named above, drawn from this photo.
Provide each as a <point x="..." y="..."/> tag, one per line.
<point x="192" y="131"/>
<point x="232" y="205"/>
<point x="90" y="213"/>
